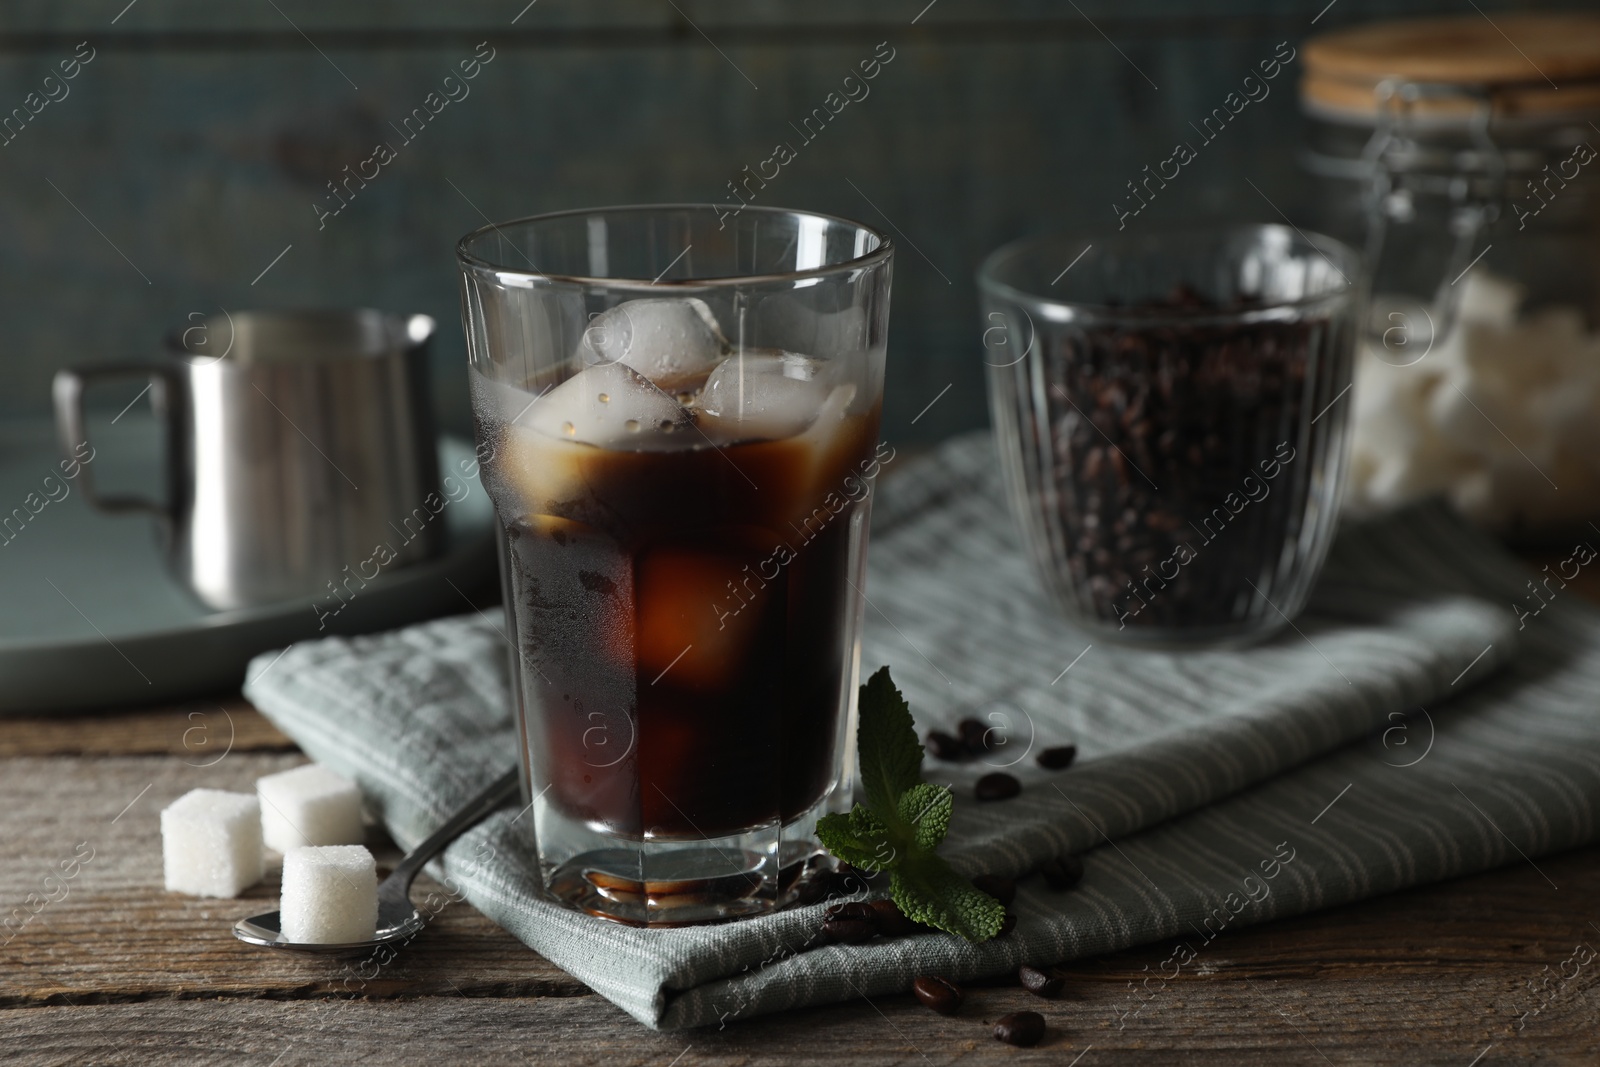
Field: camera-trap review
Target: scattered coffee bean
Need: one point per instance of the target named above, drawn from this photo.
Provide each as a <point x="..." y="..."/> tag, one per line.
<point x="1058" y="758"/>
<point x="891" y="921"/>
<point x="851" y="881"/>
<point x="944" y="747"/>
<point x="851" y="909"/>
<point x="1041" y="983"/>
<point x="1063" y="873"/>
<point x="1008" y="924"/>
<point x="996" y="786"/>
<point x="1022" y="1028"/>
<point x="849" y="931"/>
<point x="1002" y="889"/>
<point x="813" y="890"/>
<point x="974" y="736"/>
<point x="940" y="994"/>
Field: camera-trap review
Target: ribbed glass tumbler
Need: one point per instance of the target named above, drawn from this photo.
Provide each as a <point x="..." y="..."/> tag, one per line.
<point x="1170" y="410"/>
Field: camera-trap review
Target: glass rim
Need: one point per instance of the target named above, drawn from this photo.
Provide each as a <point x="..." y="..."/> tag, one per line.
<point x="469" y="259"/>
<point x="402" y="332"/>
<point x="1345" y="260"/>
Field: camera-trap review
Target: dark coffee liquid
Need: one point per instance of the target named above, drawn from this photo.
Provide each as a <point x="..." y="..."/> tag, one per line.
<point x="684" y="621"/>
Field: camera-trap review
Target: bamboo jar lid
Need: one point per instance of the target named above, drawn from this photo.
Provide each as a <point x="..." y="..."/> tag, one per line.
<point x="1535" y="66"/>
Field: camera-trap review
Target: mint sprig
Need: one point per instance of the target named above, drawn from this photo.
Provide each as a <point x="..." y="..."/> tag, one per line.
<point x="900" y="820"/>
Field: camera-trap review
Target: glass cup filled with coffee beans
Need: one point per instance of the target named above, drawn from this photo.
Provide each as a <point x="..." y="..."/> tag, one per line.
<point x="1171" y="411"/>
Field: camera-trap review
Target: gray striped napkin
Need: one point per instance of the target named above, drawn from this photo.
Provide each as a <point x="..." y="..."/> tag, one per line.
<point x="1425" y="733"/>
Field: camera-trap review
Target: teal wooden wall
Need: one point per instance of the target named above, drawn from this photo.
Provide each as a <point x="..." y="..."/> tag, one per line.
<point x="190" y="150"/>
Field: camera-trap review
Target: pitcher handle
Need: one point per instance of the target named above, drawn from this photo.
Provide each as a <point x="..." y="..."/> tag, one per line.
<point x="72" y="428"/>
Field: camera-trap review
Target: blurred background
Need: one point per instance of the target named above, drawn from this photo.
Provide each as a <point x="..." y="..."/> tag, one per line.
<point x="186" y="168"/>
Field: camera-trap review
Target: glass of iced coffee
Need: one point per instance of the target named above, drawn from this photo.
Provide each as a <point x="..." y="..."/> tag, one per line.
<point x="679" y="406"/>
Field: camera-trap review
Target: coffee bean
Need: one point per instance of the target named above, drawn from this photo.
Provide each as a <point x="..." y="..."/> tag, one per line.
<point x="1058" y="758"/>
<point x="852" y="909"/>
<point x="945" y="747"/>
<point x="1008" y="924"/>
<point x="974" y="736"/>
<point x="849" y="931"/>
<point x="1063" y="873"/>
<point x="940" y="994"/>
<point x="1194" y="406"/>
<point x="996" y="786"/>
<point x="1022" y="1028"/>
<point x="1002" y="889"/>
<point x="891" y="921"/>
<point x="1041" y="983"/>
<point x="851" y="881"/>
<point x="811" y="891"/>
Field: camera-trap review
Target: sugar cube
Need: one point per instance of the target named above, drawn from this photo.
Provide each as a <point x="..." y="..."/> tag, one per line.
<point x="211" y="843"/>
<point x="309" y="805"/>
<point x="330" y="895"/>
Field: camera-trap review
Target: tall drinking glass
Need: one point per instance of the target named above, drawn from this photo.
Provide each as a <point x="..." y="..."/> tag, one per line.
<point x="679" y="412"/>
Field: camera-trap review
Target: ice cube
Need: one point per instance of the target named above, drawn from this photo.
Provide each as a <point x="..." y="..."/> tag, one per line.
<point x="330" y="895"/>
<point x="608" y="405"/>
<point x="309" y="805"/>
<point x="543" y="462"/>
<point x="769" y="395"/>
<point x="671" y="341"/>
<point x="211" y="843"/>
<point x="791" y="321"/>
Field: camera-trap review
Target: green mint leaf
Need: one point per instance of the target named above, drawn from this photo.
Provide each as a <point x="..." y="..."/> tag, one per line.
<point x="860" y="839"/>
<point x="866" y="825"/>
<point x="929" y="892"/>
<point x="890" y="756"/>
<point x="926" y="809"/>
<point x="839" y="837"/>
<point x="902" y="819"/>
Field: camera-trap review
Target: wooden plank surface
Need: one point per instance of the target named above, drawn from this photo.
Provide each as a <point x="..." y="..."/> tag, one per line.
<point x="200" y="731"/>
<point x="1431" y="976"/>
<point x="166" y="945"/>
<point x="118" y="971"/>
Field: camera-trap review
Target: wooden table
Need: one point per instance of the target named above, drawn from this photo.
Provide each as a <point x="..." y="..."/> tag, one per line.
<point x="115" y="970"/>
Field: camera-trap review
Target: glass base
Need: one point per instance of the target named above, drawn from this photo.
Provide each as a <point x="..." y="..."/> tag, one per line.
<point x="687" y="882"/>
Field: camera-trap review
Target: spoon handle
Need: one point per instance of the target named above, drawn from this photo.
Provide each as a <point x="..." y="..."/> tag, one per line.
<point x="497" y="793"/>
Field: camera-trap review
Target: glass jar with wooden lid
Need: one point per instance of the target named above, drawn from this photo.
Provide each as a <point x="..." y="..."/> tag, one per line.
<point x="1463" y="154"/>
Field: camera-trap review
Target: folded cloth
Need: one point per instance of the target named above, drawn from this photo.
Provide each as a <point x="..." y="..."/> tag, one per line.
<point x="1410" y="726"/>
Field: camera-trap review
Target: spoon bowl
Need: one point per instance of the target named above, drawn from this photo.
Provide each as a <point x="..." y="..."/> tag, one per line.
<point x="398" y="919"/>
<point x="399" y="924"/>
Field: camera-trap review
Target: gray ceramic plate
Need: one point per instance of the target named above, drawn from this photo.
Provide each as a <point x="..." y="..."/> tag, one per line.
<point x="91" y="617"/>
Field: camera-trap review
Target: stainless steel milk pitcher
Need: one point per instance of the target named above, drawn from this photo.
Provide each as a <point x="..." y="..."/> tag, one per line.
<point x="295" y="443"/>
